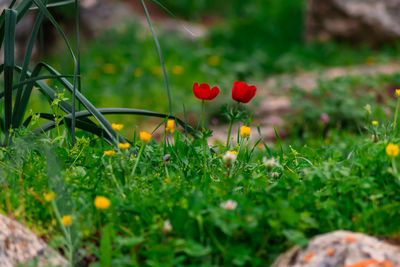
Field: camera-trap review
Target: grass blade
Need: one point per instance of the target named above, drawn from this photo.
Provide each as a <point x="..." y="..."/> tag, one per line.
<point x="128" y="111"/>
<point x="21" y="9"/>
<point x="10" y="22"/>
<point x="105" y="246"/>
<point x="17" y="116"/>
<point x="174" y="16"/>
<point x="55" y="24"/>
<point x="80" y="124"/>
<point x="38" y="78"/>
<point x="57" y="4"/>
<point x="78" y="48"/>
<point x="86" y="103"/>
<point x="159" y="54"/>
<point x="12" y="4"/>
<point x="46" y="90"/>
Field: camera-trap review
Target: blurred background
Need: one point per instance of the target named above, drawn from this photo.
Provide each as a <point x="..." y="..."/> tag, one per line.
<point x="318" y="64"/>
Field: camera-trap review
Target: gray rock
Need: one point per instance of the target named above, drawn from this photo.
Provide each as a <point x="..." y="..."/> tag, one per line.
<point x="342" y="248"/>
<point x="98" y="16"/>
<point x="370" y="21"/>
<point x="18" y="245"/>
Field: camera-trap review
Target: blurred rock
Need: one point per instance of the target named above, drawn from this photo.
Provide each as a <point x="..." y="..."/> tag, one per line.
<point x="20" y="246"/>
<point x="98" y="16"/>
<point x="3" y="4"/>
<point x="342" y="248"/>
<point x="362" y="21"/>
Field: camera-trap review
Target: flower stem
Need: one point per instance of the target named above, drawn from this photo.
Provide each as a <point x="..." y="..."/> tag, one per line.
<point x="202" y="115"/>
<point x="137" y="160"/>
<point x="395" y="118"/>
<point x="232" y="120"/>
<point x="229" y="134"/>
<point x="394" y="166"/>
<point x="67" y="234"/>
<point x="204" y="140"/>
<point x="115" y="179"/>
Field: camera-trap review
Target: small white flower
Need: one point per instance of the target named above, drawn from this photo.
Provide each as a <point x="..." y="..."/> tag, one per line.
<point x="275" y="174"/>
<point x="230" y="157"/>
<point x="167" y="227"/>
<point x="229" y="204"/>
<point x="269" y="163"/>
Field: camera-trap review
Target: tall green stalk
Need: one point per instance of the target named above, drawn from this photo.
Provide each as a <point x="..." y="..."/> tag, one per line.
<point x="394" y="166"/>
<point x="396" y="115"/>
<point x="137" y="160"/>
<point x="67" y="234"/>
<point x="159" y="54"/>
<point x="205" y="145"/>
<point x="229" y="134"/>
<point x="78" y="48"/>
<point x="233" y="117"/>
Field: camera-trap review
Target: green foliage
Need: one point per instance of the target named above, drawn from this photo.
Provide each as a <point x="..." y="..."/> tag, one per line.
<point x="349" y="103"/>
<point x="257" y="41"/>
<point x="179" y="202"/>
<point x="15" y="106"/>
<point x="307" y="190"/>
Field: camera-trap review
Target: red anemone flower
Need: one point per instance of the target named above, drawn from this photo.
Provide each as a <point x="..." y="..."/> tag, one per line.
<point x="242" y="92"/>
<point x="204" y="92"/>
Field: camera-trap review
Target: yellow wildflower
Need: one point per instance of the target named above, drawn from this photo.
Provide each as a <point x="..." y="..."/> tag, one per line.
<point x="124" y="145"/>
<point x="102" y="203"/>
<point x="213" y="61"/>
<point x="392" y="150"/>
<point x="374" y="123"/>
<point x="110" y="152"/>
<point x="49" y="196"/>
<point x="177" y="70"/>
<point x="137" y="72"/>
<point x="66" y="220"/>
<point x="117" y="126"/>
<point x="145" y="136"/>
<point x="245" y="131"/>
<point x="109" y="68"/>
<point x="170" y="126"/>
<point x="398" y="92"/>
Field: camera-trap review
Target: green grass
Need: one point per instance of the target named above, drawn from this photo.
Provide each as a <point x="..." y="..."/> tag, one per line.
<point x="314" y="187"/>
<point x="345" y="100"/>
<point x="177" y="201"/>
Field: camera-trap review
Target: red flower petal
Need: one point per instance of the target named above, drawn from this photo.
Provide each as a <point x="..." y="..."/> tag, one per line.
<point x="250" y="93"/>
<point x="195" y="90"/>
<point x="214" y="92"/>
<point x="201" y="91"/>
<point x="204" y="92"/>
<point x="238" y="90"/>
<point x="242" y="92"/>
